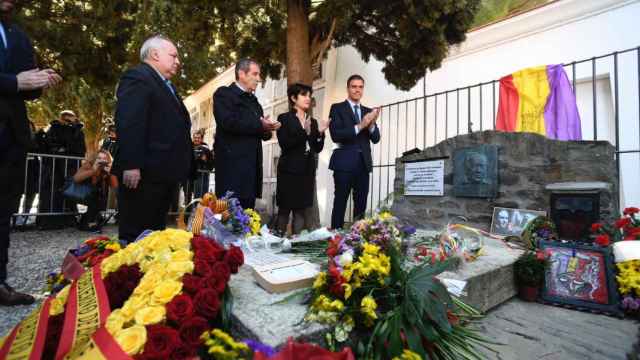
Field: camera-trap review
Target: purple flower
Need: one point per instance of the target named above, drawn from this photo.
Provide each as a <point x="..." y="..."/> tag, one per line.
<point x="408" y="229"/>
<point x="256" y="346"/>
<point x="630" y="303"/>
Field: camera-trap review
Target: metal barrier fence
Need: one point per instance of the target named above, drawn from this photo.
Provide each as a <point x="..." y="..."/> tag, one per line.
<point x="46" y="174"/>
<point x="607" y="92"/>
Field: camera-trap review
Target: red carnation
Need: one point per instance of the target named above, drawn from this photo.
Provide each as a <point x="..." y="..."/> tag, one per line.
<point x="623" y="222"/>
<point x="223" y="269"/>
<point x="217" y="283"/>
<point x="207" y="303"/>
<point x="595" y="227"/>
<point x="180" y="307"/>
<point x="631" y="211"/>
<point x="191" y="329"/>
<point x="161" y="341"/>
<point x="234" y="258"/>
<point x="603" y="240"/>
<point x="334" y="244"/>
<point x="540" y="255"/>
<point x="192" y="283"/>
<point x="632" y="233"/>
<point x="202" y="267"/>
<point x="202" y="243"/>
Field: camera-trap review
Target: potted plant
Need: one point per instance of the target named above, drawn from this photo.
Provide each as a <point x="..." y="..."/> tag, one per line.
<point x="529" y="272"/>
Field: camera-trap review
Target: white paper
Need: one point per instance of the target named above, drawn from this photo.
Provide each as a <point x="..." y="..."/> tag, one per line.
<point x="424" y="178"/>
<point x="455" y="287"/>
<point x="261" y="258"/>
<point x="626" y="250"/>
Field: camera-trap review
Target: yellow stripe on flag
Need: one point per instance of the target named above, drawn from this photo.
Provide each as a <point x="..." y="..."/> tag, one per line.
<point x="533" y="89"/>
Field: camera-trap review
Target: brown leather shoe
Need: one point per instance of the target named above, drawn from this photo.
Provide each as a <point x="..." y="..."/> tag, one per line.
<point x="10" y="297"/>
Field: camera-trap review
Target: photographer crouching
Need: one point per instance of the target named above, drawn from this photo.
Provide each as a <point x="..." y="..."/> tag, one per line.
<point x="96" y="171"/>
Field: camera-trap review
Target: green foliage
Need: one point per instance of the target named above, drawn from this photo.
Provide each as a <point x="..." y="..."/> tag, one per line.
<point x="420" y="322"/>
<point x="529" y="270"/>
<point x="494" y="10"/>
<point x="91" y="42"/>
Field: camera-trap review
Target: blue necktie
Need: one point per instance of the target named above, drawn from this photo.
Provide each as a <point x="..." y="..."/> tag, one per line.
<point x="356" y="110"/>
<point x="4" y="54"/>
<point x="170" y="86"/>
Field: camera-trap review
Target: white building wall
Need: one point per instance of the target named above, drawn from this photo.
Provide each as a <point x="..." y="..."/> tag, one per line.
<point x="561" y="32"/>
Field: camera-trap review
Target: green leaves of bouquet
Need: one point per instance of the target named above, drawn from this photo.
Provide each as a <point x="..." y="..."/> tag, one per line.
<point x="427" y="320"/>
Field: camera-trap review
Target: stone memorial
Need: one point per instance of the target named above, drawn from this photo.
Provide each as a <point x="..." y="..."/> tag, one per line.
<point x="527" y="165"/>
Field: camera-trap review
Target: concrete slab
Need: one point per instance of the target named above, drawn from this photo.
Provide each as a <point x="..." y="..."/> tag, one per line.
<point x="537" y="331"/>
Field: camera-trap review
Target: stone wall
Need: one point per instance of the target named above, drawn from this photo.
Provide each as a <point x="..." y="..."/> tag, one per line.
<point x="527" y="163"/>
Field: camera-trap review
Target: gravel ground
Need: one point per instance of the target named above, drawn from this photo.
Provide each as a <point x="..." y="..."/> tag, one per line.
<point x="33" y="255"/>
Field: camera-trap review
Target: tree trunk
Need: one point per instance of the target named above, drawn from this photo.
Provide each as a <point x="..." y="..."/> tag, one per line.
<point x="298" y="50"/>
<point x="299" y="70"/>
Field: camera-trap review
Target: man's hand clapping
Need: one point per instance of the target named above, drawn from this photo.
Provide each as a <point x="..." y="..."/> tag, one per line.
<point x="268" y="124"/>
<point x="35" y="79"/>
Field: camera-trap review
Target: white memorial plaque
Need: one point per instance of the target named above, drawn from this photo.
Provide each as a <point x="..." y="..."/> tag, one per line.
<point x="424" y="178"/>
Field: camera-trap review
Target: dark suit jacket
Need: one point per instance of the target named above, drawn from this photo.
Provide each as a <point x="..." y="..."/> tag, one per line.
<point x="238" y="147"/>
<point x="353" y="148"/>
<point x="153" y="127"/>
<point x="15" y="133"/>
<point x="293" y="140"/>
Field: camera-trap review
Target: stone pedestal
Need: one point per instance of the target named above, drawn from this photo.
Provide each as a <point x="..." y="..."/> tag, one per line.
<point x="489" y="283"/>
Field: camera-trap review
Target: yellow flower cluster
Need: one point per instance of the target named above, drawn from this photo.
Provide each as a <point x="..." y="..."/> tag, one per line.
<point x="58" y="303"/>
<point x="254" y="221"/>
<point x="629" y="277"/>
<point x="408" y="355"/>
<point x="164" y="257"/>
<point x="325" y="310"/>
<point x="368" y="307"/>
<point x="223" y="347"/>
<point x="371" y="262"/>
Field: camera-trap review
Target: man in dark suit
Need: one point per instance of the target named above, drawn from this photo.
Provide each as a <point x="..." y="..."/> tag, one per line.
<point x="155" y="151"/>
<point x="352" y="127"/>
<point x="240" y="127"/>
<point x="20" y="80"/>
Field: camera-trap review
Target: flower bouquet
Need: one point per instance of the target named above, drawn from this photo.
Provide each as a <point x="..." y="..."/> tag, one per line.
<point x="151" y="300"/>
<point x="621" y="236"/>
<point x="381" y="306"/>
<point x="540" y="228"/>
<point x="224" y="219"/>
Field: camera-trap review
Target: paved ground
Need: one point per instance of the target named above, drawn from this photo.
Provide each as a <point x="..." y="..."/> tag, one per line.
<point x="528" y="330"/>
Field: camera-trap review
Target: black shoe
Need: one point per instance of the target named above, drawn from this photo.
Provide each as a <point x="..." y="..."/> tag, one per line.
<point x="10" y="297"/>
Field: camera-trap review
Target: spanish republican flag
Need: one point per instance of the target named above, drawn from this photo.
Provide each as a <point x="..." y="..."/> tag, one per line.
<point x="539" y="100"/>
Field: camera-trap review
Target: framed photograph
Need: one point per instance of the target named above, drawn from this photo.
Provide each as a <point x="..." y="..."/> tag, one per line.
<point x="475" y="171"/>
<point x="580" y="276"/>
<point x="511" y="222"/>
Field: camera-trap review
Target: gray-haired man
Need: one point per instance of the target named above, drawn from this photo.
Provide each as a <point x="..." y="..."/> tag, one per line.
<point x="155" y="150"/>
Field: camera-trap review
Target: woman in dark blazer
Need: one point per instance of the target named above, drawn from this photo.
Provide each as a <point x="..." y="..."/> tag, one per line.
<point x="300" y="139"/>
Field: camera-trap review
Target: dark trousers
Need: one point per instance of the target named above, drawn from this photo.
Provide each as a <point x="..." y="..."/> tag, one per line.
<point x="247" y="203"/>
<point x="283" y="220"/>
<point x="345" y="182"/>
<point x="11" y="188"/>
<point x="143" y="208"/>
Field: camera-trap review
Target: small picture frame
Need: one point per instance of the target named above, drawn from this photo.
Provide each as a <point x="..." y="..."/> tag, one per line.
<point x="580" y="276"/>
<point x="511" y="222"/>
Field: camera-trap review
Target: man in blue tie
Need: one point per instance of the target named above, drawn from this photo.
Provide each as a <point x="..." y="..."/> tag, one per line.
<point x="353" y="128"/>
<point x="154" y="139"/>
<point x="20" y="80"/>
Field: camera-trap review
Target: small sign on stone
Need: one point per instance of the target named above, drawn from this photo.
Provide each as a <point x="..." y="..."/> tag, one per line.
<point x="424" y="178"/>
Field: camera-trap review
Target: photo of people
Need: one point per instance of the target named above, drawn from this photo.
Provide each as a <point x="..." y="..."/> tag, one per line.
<point x="510" y="222"/>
